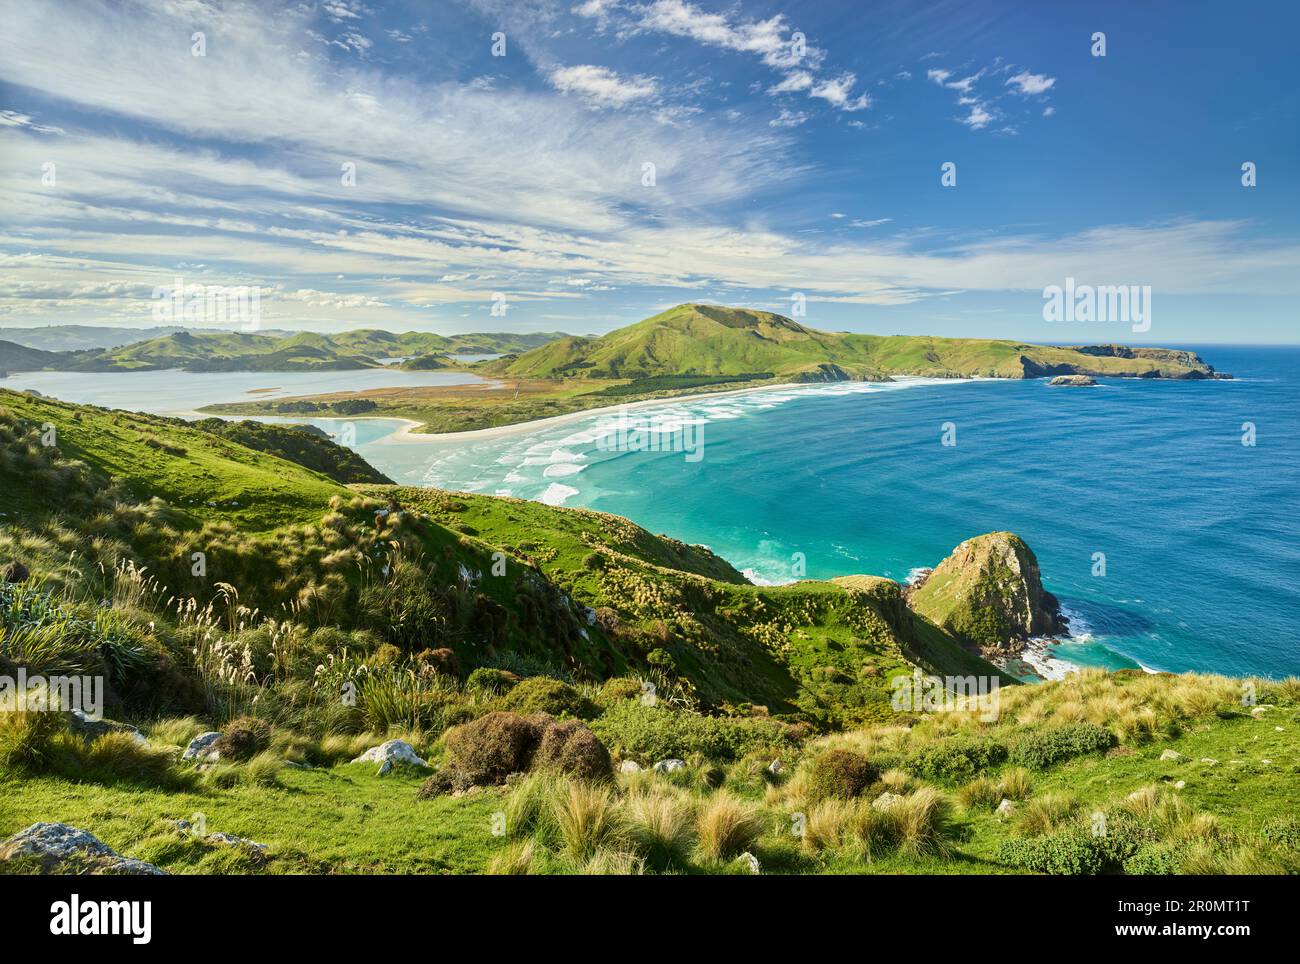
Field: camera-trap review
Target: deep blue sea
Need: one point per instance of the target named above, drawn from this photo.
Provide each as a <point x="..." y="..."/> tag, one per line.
<point x="1200" y="533"/>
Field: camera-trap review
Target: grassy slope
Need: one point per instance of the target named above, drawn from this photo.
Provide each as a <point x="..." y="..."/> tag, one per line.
<point x="195" y="468"/>
<point x="345" y="819"/>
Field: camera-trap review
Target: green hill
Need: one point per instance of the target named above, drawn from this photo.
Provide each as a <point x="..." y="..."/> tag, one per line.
<point x="20" y="358"/>
<point x="697" y="339"/>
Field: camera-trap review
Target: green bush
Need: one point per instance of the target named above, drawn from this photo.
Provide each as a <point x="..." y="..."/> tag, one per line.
<point x="1158" y="860"/>
<point x="542" y="694"/>
<point x="617" y="689"/>
<point x="492" y="680"/>
<point x="958" y="757"/>
<point x="839" y="775"/>
<point x="654" y="733"/>
<point x="1074" y="851"/>
<point x="1053" y="744"/>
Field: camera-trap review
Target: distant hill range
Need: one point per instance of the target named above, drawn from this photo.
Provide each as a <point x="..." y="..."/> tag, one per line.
<point x="207" y="351"/>
<point x="701" y="340"/>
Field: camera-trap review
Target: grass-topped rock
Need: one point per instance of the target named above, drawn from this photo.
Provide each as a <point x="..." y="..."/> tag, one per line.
<point x="988" y="592"/>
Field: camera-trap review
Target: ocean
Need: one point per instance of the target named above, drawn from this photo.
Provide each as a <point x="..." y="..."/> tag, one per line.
<point x="1172" y="545"/>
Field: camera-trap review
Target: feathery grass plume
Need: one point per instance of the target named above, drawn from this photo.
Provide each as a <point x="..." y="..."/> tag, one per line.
<point x="924" y="823"/>
<point x="1015" y="784"/>
<point x="661" y="824"/>
<point x="262" y="770"/>
<point x="531" y="806"/>
<point x="587" y="820"/>
<point x="726" y="826"/>
<point x="1042" y="815"/>
<point x="826" y="824"/>
<point x="612" y="862"/>
<point x="981" y="793"/>
<point x="870" y="833"/>
<point x="175" y="731"/>
<point x="518" y="858"/>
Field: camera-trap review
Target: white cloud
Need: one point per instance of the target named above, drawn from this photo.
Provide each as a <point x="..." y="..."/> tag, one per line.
<point x="978" y="118"/>
<point x="601" y="86"/>
<point x="1029" y="84"/>
<point x="838" y="92"/>
<point x="788" y="118"/>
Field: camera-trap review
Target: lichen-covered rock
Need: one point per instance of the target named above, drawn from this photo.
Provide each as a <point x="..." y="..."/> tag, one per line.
<point x="669" y="766"/>
<point x="57" y="848"/>
<point x="989" y="592"/>
<point x="886" y="801"/>
<point x="389" y="753"/>
<point x="201" y="750"/>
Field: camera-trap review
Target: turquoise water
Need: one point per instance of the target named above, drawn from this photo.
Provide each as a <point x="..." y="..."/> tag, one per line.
<point x="1201" y="534"/>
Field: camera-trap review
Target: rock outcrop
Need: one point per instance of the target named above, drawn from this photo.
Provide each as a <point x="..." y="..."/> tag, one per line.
<point x="1073" y="380"/>
<point x="56" y="848"/>
<point x="988" y="592"/>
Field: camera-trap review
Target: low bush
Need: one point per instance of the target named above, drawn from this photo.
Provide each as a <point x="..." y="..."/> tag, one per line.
<point x="542" y="694"/>
<point x="617" y="689"/>
<point x="571" y="748"/>
<point x="491" y="680"/>
<point x="652" y="733"/>
<point x="958" y="757"/>
<point x="494" y="746"/>
<point x="839" y="775"/>
<point x="1044" y="747"/>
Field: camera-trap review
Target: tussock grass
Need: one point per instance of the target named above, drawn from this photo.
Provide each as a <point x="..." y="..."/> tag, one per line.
<point x="519" y="858"/>
<point x="587" y="820"/>
<point x="1042" y="815"/>
<point x="727" y="826"/>
<point x="662" y="826"/>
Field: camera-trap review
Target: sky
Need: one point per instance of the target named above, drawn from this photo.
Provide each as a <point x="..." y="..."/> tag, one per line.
<point x="582" y="164"/>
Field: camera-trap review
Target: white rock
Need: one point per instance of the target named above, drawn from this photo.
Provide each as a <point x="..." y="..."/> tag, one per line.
<point x="629" y="766"/>
<point x="1208" y="759"/>
<point x="775" y="767"/>
<point x="393" y="751"/>
<point x="57" y="843"/>
<point x="751" y="862"/>
<point x="1006" y="807"/>
<point x="1171" y="755"/>
<point x="886" y="801"/>
<point x="670" y="766"/>
<point x="1180" y="784"/>
<point x="200" y="748"/>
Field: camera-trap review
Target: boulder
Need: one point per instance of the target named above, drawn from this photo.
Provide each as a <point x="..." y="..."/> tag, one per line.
<point x="669" y="766"/>
<point x="750" y="863"/>
<point x="988" y="592"/>
<point x="1171" y="755"/>
<point x="390" y="753"/>
<point x="776" y="767"/>
<point x="886" y="801"/>
<point x="1006" y="808"/>
<point x="200" y="749"/>
<point x="1073" y="380"/>
<point x="629" y="766"/>
<point x="61" y="849"/>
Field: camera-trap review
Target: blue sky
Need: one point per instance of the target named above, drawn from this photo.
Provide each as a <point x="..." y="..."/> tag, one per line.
<point x="780" y="167"/>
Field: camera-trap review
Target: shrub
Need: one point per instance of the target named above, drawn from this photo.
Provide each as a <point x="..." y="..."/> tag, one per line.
<point x="1284" y="831"/>
<point x="1053" y="744"/>
<point x="542" y="694"/>
<point x="727" y="827"/>
<point x="494" y="746"/>
<point x="1154" y="860"/>
<point x="619" y="688"/>
<point x="657" y="732"/>
<point x="958" y="757"/>
<point x="243" y="738"/>
<point x="491" y="680"/>
<point x="570" y="747"/>
<point x="660" y="658"/>
<point x="839" y="775"/>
